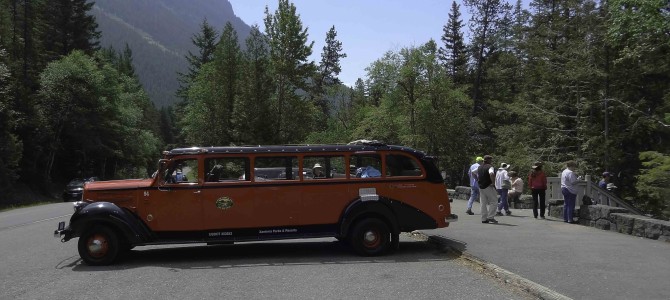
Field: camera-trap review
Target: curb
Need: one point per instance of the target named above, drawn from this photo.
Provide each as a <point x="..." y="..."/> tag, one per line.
<point x="492" y="270"/>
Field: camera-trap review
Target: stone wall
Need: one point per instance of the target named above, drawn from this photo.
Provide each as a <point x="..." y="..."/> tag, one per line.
<point x="599" y="216"/>
<point x="619" y="220"/>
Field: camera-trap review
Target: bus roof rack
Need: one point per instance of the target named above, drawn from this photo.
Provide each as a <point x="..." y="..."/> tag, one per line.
<point x="367" y="143"/>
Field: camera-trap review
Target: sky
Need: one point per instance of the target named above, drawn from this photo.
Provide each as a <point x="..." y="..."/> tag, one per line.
<point x="366" y="28"/>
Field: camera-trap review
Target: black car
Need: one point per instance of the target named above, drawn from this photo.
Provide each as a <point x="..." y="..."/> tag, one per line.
<point x="75" y="188"/>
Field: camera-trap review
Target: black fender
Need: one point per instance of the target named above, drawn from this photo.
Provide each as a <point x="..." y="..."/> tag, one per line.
<point x="359" y="208"/>
<point x="400" y="217"/>
<point x="106" y="213"/>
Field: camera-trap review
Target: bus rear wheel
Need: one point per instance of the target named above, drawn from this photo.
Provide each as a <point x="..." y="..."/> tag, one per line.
<point x="370" y="237"/>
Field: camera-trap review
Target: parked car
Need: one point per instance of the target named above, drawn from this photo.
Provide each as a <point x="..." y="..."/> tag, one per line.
<point x="75" y="188"/>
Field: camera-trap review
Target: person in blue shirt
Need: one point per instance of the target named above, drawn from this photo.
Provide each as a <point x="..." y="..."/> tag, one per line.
<point x="605" y="180"/>
<point x="569" y="191"/>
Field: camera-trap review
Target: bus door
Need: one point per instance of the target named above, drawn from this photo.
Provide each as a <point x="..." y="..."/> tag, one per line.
<point x="176" y="204"/>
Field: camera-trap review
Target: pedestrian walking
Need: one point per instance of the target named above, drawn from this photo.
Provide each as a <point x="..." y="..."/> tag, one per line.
<point x="474" y="189"/>
<point x="537" y="181"/>
<point x="569" y="191"/>
<point x="502" y="187"/>
<point x="488" y="197"/>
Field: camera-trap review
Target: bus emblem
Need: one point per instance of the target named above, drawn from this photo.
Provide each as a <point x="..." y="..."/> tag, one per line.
<point x="224" y="203"/>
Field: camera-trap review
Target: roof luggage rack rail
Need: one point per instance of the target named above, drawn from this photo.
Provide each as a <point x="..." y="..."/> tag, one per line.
<point x="367" y="143"/>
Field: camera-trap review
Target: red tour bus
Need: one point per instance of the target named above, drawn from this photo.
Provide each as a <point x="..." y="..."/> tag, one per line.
<point x="363" y="193"/>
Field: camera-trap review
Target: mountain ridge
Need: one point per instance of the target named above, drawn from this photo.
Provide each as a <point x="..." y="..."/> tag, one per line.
<point x="159" y="34"/>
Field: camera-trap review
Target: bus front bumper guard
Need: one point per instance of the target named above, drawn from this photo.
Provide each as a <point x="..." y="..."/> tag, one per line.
<point x="62" y="232"/>
<point x="451" y="218"/>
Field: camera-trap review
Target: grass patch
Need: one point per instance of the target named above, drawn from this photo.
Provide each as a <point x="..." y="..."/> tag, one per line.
<point x="7" y="207"/>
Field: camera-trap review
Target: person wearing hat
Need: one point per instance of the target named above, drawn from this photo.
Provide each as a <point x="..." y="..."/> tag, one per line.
<point x="605" y="180"/>
<point x="488" y="197"/>
<point x="502" y="187"/>
<point x="317" y="171"/>
<point x="537" y="181"/>
<point x="474" y="189"/>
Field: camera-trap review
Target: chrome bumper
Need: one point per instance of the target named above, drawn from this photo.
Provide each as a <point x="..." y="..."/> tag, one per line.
<point x="62" y="232"/>
<point x="451" y="218"/>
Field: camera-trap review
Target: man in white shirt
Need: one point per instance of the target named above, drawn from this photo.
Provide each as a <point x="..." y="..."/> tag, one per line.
<point x="502" y="189"/>
<point x="569" y="191"/>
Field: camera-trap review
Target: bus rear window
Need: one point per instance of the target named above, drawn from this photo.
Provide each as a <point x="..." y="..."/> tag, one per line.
<point x="401" y="165"/>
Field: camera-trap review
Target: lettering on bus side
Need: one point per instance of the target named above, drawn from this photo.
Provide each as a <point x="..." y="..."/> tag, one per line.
<point x="225" y="233"/>
<point x="280" y="230"/>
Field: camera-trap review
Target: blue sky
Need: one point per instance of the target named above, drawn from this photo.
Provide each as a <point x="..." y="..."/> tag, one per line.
<point x="366" y="28"/>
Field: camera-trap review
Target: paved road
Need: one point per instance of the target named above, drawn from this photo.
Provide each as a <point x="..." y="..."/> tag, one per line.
<point x="574" y="260"/>
<point x="34" y="265"/>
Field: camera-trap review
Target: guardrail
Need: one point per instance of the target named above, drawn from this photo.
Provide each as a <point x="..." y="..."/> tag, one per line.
<point x="590" y="189"/>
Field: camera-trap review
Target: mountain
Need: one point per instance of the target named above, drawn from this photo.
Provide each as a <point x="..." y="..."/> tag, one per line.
<point x="159" y="34"/>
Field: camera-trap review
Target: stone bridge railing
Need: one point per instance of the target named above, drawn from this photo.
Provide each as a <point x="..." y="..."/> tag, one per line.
<point x="598" y="215"/>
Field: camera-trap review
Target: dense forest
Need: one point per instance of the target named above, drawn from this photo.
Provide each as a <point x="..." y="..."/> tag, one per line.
<point x="560" y="80"/>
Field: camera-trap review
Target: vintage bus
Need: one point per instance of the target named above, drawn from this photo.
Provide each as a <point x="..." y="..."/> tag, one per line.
<point x="363" y="193"/>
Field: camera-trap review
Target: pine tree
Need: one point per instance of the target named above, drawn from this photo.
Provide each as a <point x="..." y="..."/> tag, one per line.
<point x="454" y="53"/>
<point x="227" y="62"/>
<point x="68" y="26"/>
<point x="327" y="71"/>
<point x="254" y="118"/>
<point x="205" y="41"/>
<point x="289" y="56"/>
<point x="485" y="16"/>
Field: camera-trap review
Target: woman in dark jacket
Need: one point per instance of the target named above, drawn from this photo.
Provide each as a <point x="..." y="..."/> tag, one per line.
<point x="537" y="181"/>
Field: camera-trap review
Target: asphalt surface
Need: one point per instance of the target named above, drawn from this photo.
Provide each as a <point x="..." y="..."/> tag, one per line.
<point x="570" y="260"/>
<point x="35" y="265"/>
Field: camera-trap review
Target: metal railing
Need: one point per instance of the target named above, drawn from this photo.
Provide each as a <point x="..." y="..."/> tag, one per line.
<point x="590" y="189"/>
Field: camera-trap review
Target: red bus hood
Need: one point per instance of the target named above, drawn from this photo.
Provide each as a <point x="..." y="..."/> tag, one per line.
<point x="126" y="184"/>
<point x="123" y="193"/>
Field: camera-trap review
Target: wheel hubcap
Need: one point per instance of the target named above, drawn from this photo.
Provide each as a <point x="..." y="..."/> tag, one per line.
<point x="97" y="245"/>
<point x="371" y="239"/>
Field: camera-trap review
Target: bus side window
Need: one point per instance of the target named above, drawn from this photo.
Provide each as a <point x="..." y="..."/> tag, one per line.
<point x="271" y="168"/>
<point x="182" y="171"/>
<point x="401" y="165"/>
<point x="227" y="169"/>
<point x="366" y="165"/>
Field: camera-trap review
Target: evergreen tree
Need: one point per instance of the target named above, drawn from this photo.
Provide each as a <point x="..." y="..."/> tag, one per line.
<point x="485" y="16"/>
<point x="290" y="65"/>
<point x="208" y="117"/>
<point x="227" y="61"/>
<point x="254" y="118"/>
<point x="205" y="41"/>
<point x="68" y="26"/>
<point x="11" y="146"/>
<point x="454" y="53"/>
<point x="327" y="71"/>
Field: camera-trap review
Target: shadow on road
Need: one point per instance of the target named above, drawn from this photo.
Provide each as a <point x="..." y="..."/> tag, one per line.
<point x="265" y="254"/>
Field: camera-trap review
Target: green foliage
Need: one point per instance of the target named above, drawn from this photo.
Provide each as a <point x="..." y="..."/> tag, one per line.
<point x="92" y="118"/>
<point x="653" y="184"/>
<point x="290" y="65"/>
<point x="11" y="146"/>
<point x="254" y="115"/>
